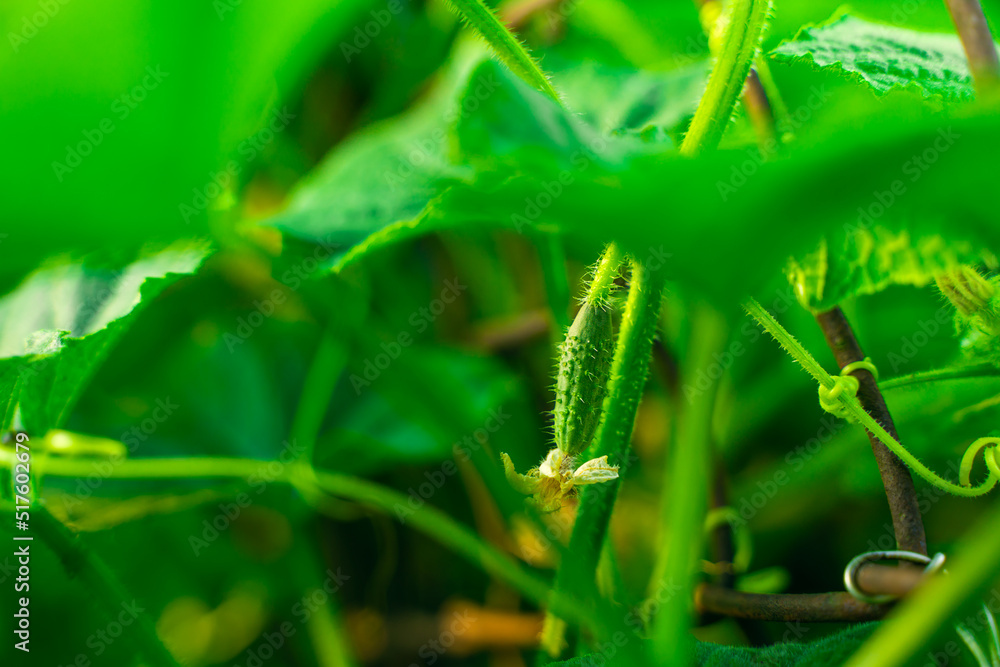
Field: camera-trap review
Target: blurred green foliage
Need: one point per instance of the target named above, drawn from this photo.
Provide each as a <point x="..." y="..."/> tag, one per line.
<point x="312" y="231"/>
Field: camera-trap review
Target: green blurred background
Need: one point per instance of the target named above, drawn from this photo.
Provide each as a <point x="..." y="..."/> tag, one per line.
<point x="126" y="123"/>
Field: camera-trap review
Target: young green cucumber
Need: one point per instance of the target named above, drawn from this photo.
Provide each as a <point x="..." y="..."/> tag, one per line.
<point x="582" y="381"/>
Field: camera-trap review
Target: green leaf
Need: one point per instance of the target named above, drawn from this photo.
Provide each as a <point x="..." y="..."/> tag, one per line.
<point x="388" y="173"/>
<point x="870" y="261"/>
<point x="380" y="427"/>
<point x="384" y="175"/>
<point x="884" y="56"/>
<point x="829" y="651"/>
<point x="620" y="100"/>
<point x="770" y="215"/>
<point x="378" y="185"/>
<point x="517" y="127"/>
<point x="60" y="323"/>
<point x="143" y="124"/>
<point x="707" y="220"/>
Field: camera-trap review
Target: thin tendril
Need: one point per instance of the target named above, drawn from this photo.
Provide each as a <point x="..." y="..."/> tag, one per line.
<point x="851" y="409"/>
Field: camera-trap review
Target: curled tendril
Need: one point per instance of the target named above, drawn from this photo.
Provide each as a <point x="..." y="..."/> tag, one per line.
<point x="829" y="397"/>
<point x="850" y="408"/>
<point x="989" y="457"/>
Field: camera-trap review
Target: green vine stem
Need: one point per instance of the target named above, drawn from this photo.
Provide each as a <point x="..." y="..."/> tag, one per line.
<point x="325" y="625"/>
<point x="853" y="409"/>
<point x="760" y="95"/>
<point x="314" y="485"/>
<point x="686" y="503"/>
<point x="629" y="368"/>
<point x="603" y="281"/>
<point x="507" y="47"/>
<point x="941" y="375"/>
<point x="78" y="560"/>
<point x="320" y="382"/>
<point x="746" y="20"/>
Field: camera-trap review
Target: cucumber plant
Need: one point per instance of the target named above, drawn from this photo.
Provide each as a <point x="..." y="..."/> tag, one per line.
<point x="387" y="342"/>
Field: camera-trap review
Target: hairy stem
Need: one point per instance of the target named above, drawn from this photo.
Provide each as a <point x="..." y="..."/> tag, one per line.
<point x="856" y="412"/>
<point x="507" y="47"/>
<point x="744" y="31"/>
<point x="941" y="375"/>
<point x="755" y="97"/>
<point x="603" y="281"/>
<point x="629" y="368"/>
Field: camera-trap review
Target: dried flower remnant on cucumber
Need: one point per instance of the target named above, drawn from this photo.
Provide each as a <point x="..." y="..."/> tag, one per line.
<point x="581" y="387"/>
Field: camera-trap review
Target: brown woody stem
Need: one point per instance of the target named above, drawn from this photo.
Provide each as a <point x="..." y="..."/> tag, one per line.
<point x="807" y="608"/>
<point x="981" y="52"/>
<point x="874" y="579"/>
<point x="907" y="523"/>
